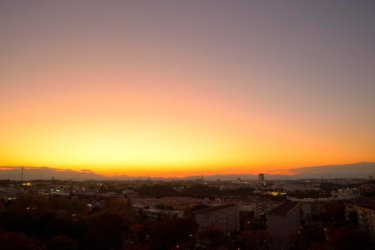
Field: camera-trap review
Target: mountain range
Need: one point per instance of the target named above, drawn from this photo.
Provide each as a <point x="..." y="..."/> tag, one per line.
<point x="355" y="170"/>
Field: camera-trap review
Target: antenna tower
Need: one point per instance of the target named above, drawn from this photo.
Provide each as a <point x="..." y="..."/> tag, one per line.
<point x="21" y="176"/>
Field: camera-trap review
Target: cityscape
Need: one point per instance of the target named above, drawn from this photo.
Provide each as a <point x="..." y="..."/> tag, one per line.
<point x="187" y="125"/>
<point x="191" y="213"/>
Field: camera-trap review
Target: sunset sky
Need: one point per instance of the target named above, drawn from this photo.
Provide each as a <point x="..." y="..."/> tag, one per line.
<point x="176" y="88"/>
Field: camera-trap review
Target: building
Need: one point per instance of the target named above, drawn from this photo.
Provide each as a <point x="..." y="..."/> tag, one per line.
<point x="155" y="214"/>
<point x="225" y="217"/>
<point x="346" y="193"/>
<point x="261" y="179"/>
<point x="365" y="214"/>
<point x="262" y="208"/>
<point x="283" y="224"/>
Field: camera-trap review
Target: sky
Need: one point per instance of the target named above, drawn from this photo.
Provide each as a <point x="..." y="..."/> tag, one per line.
<point x="177" y="88"/>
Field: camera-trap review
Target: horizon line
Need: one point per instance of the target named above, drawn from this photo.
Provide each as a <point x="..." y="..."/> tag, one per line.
<point x="276" y="172"/>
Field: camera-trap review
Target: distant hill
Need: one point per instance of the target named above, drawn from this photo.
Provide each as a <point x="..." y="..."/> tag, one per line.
<point x="43" y="173"/>
<point x="355" y="170"/>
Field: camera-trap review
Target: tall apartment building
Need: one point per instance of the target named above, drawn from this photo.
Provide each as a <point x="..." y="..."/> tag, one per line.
<point x="261" y="179"/>
<point x="225" y="217"/>
<point x="283" y="224"/>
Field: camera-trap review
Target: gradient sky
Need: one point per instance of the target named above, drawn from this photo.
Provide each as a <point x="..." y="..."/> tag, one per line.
<point x="174" y="88"/>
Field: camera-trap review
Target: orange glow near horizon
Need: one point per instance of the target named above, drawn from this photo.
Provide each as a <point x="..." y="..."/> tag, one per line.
<point x="157" y="129"/>
<point x="147" y="132"/>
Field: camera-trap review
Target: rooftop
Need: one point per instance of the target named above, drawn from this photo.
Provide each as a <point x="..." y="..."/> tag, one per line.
<point x="284" y="208"/>
<point x="215" y="208"/>
<point x="366" y="205"/>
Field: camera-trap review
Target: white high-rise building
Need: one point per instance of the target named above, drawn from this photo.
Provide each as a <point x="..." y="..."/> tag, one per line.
<point x="261" y="179"/>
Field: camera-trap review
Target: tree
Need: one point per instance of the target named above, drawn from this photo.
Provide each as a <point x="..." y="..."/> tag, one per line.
<point x="15" y="241"/>
<point x="105" y="231"/>
<point x="345" y="238"/>
<point x="216" y="237"/>
<point x="170" y="233"/>
<point x="253" y="239"/>
<point x="61" y="243"/>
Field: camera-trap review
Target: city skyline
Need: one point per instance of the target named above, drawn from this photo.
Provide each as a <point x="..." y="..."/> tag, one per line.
<point x="172" y="88"/>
